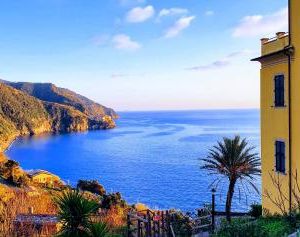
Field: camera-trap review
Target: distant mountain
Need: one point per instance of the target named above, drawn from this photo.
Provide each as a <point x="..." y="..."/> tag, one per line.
<point x="34" y="108"/>
<point x="3" y="81"/>
<point x="51" y="93"/>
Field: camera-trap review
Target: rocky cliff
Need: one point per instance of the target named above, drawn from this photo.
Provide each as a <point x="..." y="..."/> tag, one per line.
<point x="29" y="108"/>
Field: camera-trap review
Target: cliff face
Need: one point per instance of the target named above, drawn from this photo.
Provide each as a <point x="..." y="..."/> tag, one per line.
<point x="27" y="110"/>
<point x="66" y="119"/>
<point x="20" y="114"/>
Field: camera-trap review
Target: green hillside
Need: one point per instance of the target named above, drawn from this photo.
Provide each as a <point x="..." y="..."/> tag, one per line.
<point x="29" y="109"/>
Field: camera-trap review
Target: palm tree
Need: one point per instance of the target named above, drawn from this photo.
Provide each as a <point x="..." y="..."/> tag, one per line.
<point x="233" y="159"/>
<point x="74" y="214"/>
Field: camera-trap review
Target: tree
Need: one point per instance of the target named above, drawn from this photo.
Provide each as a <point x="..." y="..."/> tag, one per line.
<point x="75" y="214"/>
<point x="233" y="159"/>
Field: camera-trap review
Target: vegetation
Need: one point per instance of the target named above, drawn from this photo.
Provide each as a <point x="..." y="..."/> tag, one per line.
<point x="78" y="214"/>
<point x="51" y="93"/>
<point x="92" y="186"/>
<point x="280" y="198"/>
<point x="181" y="223"/>
<point x="75" y="213"/>
<point x="86" y="210"/>
<point x="113" y="199"/>
<point x="235" y="160"/>
<point x="14" y="201"/>
<point x="256" y="210"/>
<point x="11" y="172"/>
<point x="99" y="230"/>
<point x="29" y="108"/>
<point x="20" y="114"/>
<point x="263" y="227"/>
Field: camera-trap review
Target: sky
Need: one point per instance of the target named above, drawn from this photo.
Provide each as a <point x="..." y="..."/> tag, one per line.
<point x="141" y="54"/>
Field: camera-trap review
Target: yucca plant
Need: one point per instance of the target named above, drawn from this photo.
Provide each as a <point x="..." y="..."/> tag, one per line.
<point x="236" y="160"/>
<point x="99" y="230"/>
<point x="75" y="214"/>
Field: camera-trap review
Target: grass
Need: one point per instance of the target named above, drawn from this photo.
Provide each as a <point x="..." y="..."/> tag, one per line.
<point x="15" y="201"/>
<point x="276" y="226"/>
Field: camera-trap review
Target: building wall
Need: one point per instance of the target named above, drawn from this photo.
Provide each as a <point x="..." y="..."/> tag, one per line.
<point x="295" y="87"/>
<point x="275" y="121"/>
<point x="45" y="178"/>
<point x="274" y="126"/>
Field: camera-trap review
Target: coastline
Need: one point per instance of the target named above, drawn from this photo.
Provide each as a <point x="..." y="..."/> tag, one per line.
<point x="158" y="142"/>
<point x="10" y="143"/>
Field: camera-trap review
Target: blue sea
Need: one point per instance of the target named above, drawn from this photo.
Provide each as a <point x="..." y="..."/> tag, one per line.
<point x="151" y="157"/>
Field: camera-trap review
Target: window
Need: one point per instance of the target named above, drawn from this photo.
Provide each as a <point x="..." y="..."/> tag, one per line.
<point x="280" y="156"/>
<point x="279" y="90"/>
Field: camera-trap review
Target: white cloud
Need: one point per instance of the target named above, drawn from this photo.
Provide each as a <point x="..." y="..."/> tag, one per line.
<point x="180" y="25"/>
<point x="220" y="63"/>
<point x="262" y="25"/>
<point x="140" y="14"/>
<point x="172" y="12"/>
<point x="124" y="42"/>
<point x="209" y="13"/>
<point x="214" y="65"/>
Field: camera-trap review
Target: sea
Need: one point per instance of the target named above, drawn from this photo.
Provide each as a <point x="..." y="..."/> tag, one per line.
<point x="150" y="157"/>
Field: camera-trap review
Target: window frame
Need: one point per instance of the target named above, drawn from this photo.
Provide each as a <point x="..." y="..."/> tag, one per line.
<point x="281" y="167"/>
<point x="283" y="104"/>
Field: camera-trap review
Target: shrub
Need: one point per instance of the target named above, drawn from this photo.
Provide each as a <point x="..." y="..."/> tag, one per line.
<point x="23" y="181"/>
<point x="12" y="173"/>
<point x="256" y="210"/>
<point x="7" y="168"/>
<point x="275" y="227"/>
<point x="92" y="186"/>
<point x="181" y="224"/>
<point x="112" y="199"/>
<point x="262" y="227"/>
<point x="237" y="228"/>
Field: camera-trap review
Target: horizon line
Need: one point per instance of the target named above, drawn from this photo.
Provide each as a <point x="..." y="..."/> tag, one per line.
<point x="180" y="110"/>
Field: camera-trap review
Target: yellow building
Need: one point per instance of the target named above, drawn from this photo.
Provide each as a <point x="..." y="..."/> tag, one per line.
<point x="280" y="115"/>
<point x="44" y="177"/>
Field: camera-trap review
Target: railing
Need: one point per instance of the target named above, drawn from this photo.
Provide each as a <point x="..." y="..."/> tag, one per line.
<point x="148" y="223"/>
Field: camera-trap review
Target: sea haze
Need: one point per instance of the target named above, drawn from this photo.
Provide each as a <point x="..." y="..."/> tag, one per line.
<point x="151" y="157"/>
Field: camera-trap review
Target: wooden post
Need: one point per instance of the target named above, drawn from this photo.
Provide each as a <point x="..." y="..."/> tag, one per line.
<point x="158" y="223"/>
<point x="30" y="210"/>
<point x="168" y="224"/>
<point x="139" y="228"/>
<point x="213" y="207"/>
<point x="149" y="229"/>
<point x="128" y="226"/>
<point x="163" y="223"/>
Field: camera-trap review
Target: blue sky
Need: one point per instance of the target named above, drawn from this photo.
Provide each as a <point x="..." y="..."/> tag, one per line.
<point x="141" y="54"/>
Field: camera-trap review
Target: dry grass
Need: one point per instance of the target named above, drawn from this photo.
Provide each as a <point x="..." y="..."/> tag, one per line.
<point x="16" y="201"/>
<point x="115" y="217"/>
